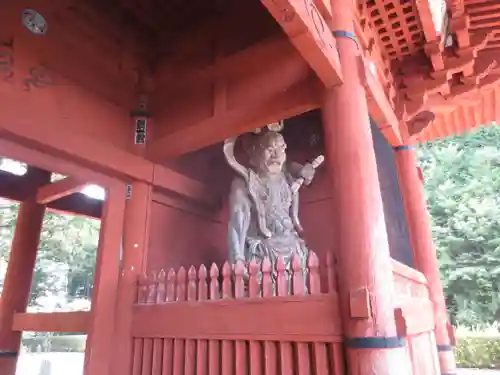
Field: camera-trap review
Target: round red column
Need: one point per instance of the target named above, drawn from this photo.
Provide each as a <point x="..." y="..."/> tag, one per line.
<point x="20" y="270"/>
<point x="135" y="245"/>
<point x="424" y="252"/>
<point x="364" y="263"/>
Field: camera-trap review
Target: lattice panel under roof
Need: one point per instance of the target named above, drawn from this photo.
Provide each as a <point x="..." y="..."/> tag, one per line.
<point x="485" y="16"/>
<point x="397" y="24"/>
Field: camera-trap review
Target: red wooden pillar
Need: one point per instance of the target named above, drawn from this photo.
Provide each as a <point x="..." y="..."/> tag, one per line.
<point x="364" y="263"/>
<point x="17" y="286"/>
<point x="135" y="244"/>
<point x="100" y="339"/>
<point x="424" y="252"/>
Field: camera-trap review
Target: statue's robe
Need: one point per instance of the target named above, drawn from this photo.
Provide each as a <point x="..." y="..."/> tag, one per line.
<point x="275" y="199"/>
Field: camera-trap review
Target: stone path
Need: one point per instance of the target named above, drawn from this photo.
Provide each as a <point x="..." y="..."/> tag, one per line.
<point x="464" y="371"/>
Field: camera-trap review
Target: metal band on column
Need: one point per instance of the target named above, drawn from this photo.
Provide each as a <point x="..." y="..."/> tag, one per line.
<point x="404" y="148"/>
<point x="445" y="348"/>
<point x="375" y="342"/>
<point x="346" y="34"/>
<point x="8" y="354"/>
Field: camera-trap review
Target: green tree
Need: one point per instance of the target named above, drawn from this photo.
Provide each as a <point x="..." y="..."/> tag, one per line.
<point x="66" y="255"/>
<point x="8" y="216"/>
<point x="462" y="183"/>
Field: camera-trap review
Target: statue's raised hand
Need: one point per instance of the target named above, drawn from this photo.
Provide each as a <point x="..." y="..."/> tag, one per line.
<point x="307" y="173"/>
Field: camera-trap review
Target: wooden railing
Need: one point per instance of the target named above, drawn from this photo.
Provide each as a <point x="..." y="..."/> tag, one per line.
<point x="238" y="321"/>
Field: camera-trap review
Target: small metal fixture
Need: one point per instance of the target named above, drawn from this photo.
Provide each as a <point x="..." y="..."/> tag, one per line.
<point x="140" y="118"/>
<point x="34" y="22"/>
<point x="128" y="192"/>
<point x="140" y="130"/>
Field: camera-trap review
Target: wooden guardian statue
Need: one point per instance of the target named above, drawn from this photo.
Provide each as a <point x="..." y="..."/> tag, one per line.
<point x="264" y="201"/>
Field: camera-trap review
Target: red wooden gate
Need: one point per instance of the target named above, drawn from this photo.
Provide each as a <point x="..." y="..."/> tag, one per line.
<point x="204" y="323"/>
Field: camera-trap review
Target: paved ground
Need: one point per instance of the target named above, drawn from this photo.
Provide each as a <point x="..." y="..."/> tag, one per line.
<point x="60" y="364"/>
<point x="72" y="364"/>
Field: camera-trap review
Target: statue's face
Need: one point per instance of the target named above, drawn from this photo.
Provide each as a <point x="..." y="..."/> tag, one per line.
<point x="271" y="153"/>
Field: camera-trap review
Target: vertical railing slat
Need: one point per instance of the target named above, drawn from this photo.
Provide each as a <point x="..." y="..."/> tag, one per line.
<point x="190" y="357"/>
<point x="241" y="357"/>
<point x="168" y="342"/>
<point x="147" y="351"/>
<point x="338" y="358"/>
<point x="202" y="345"/>
<point x="142" y="296"/>
<point x="299" y="289"/>
<point x="270" y="347"/>
<point x="214" y="345"/>
<point x="179" y="349"/>
<point x="156" y="367"/>
<point x="337" y="350"/>
<point x="283" y="287"/>
<point x="227" y="345"/>
<point x="254" y="292"/>
<point x="320" y="350"/>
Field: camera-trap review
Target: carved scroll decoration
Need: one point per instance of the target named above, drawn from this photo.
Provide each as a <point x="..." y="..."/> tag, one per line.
<point x="39" y="78"/>
<point x="318" y="23"/>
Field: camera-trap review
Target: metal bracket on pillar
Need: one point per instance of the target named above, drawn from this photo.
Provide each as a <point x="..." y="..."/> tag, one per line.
<point x="346" y="34"/>
<point x="360" y="304"/>
<point x="140" y="117"/>
<point x="128" y="192"/>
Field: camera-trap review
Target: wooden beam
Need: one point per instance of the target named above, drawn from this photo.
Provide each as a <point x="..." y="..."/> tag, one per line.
<point x="308" y="31"/>
<point x="379" y="106"/>
<point x="72" y="322"/>
<point x="58" y="189"/>
<point x="77" y="204"/>
<point x="16" y="188"/>
<point x="189" y="93"/>
<point x="51" y="153"/>
<point x="300" y="98"/>
<point x="188" y="320"/>
<point x="166" y="179"/>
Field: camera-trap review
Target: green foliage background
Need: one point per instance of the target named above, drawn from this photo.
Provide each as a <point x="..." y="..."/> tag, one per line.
<point x="65" y="264"/>
<point x="462" y="183"/>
